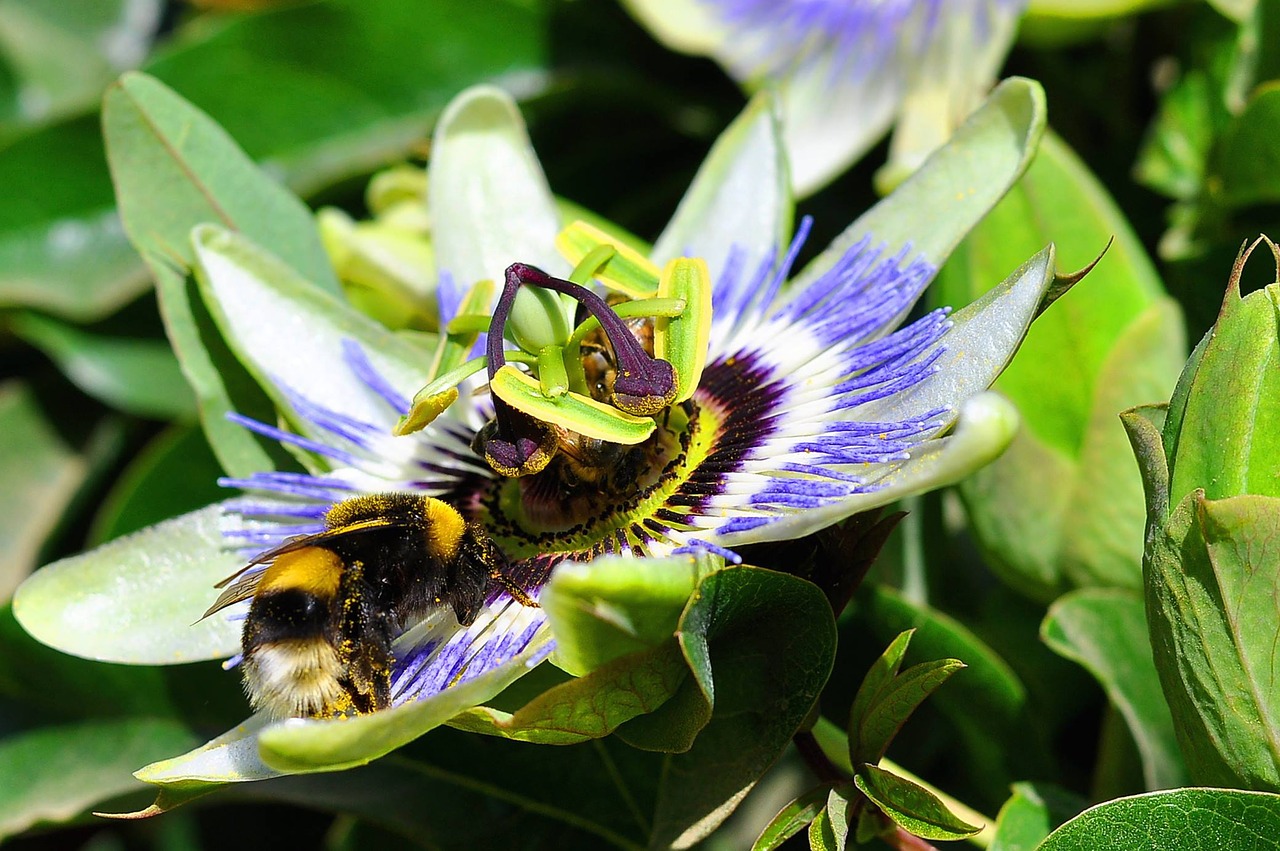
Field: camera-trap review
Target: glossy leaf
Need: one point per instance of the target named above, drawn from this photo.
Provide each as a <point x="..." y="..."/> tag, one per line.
<point x="1031" y="814"/>
<point x="792" y="819"/>
<point x="588" y="707"/>
<point x="611" y="607"/>
<point x="896" y="702"/>
<point x="41" y="474"/>
<point x="987" y="702"/>
<point x="1105" y="630"/>
<point x="66" y="771"/>
<point x="1185" y="819"/>
<point x="137" y="599"/>
<point x="821" y="835"/>
<point x="913" y="808"/>
<point x="877" y="679"/>
<point x="760" y="645"/>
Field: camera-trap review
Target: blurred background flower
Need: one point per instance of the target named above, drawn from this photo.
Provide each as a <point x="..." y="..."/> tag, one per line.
<point x="848" y="70"/>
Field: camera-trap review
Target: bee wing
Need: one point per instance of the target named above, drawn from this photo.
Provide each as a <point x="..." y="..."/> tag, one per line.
<point x="239" y="587"/>
<point x="242" y="589"/>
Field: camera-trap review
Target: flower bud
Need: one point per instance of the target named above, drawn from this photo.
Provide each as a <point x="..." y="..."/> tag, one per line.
<point x="1211" y="467"/>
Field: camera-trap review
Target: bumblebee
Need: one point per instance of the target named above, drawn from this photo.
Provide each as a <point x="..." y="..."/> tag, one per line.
<point x="326" y="608"/>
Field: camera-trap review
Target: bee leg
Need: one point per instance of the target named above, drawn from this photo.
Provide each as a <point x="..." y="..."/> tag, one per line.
<point x="507" y="584"/>
<point x="364" y="645"/>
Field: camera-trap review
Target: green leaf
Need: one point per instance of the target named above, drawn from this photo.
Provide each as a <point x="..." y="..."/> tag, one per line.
<point x="913" y="808"/>
<point x="1061" y="508"/>
<point x="1224" y="436"/>
<point x="1182" y="819"/>
<point x="321" y="116"/>
<point x="935" y="207"/>
<point x="740" y="201"/>
<point x="1211" y="601"/>
<point x="174" y="169"/>
<point x="840" y="811"/>
<point x="41" y="475"/>
<point x="137" y="599"/>
<point x="1174" y="155"/>
<point x="1143" y="426"/>
<point x="314" y="117"/>
<point x="460" y="792"/>
<point x="62" y="247"/>
<point x="792" y="819"/>
<point x="989" y="703"/>
<point x="1246" y="165"/>
<point x="760" y="645"/>
<point x="878" y="678"/>
<point x="293" y="337"/>
<point x="608" y="608"/>
<point x="67" y="770"/>
<point x="588" y="707"/>
<point x="1105" y="630"/>
<point x="897" y="700"/>
<point x="1031" y="814"/>
<point x="53" y="686"/>
<point x="821" y="836"/>
<point x="135" y="375"/>
<point x="62" y="55"/>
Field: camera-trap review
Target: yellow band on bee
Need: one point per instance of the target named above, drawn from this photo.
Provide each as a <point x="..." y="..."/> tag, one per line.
<point x="314" y="570"/>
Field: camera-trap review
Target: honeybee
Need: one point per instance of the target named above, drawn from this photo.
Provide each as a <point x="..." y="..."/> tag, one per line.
<point x="325" y="610"/>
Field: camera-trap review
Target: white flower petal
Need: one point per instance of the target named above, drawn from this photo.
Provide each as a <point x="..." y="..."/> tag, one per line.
<point x="137" y="599"/>
<point x="489" y="200"/>
<point x="689" y="26"/>
<point x="230" y="758"/>
<point x="739" y="200"/>
<point x="983" y="339"/>
<point x="829" y="122"/>
<point x="291" y="335"/>
<point x="958" y="68"/>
